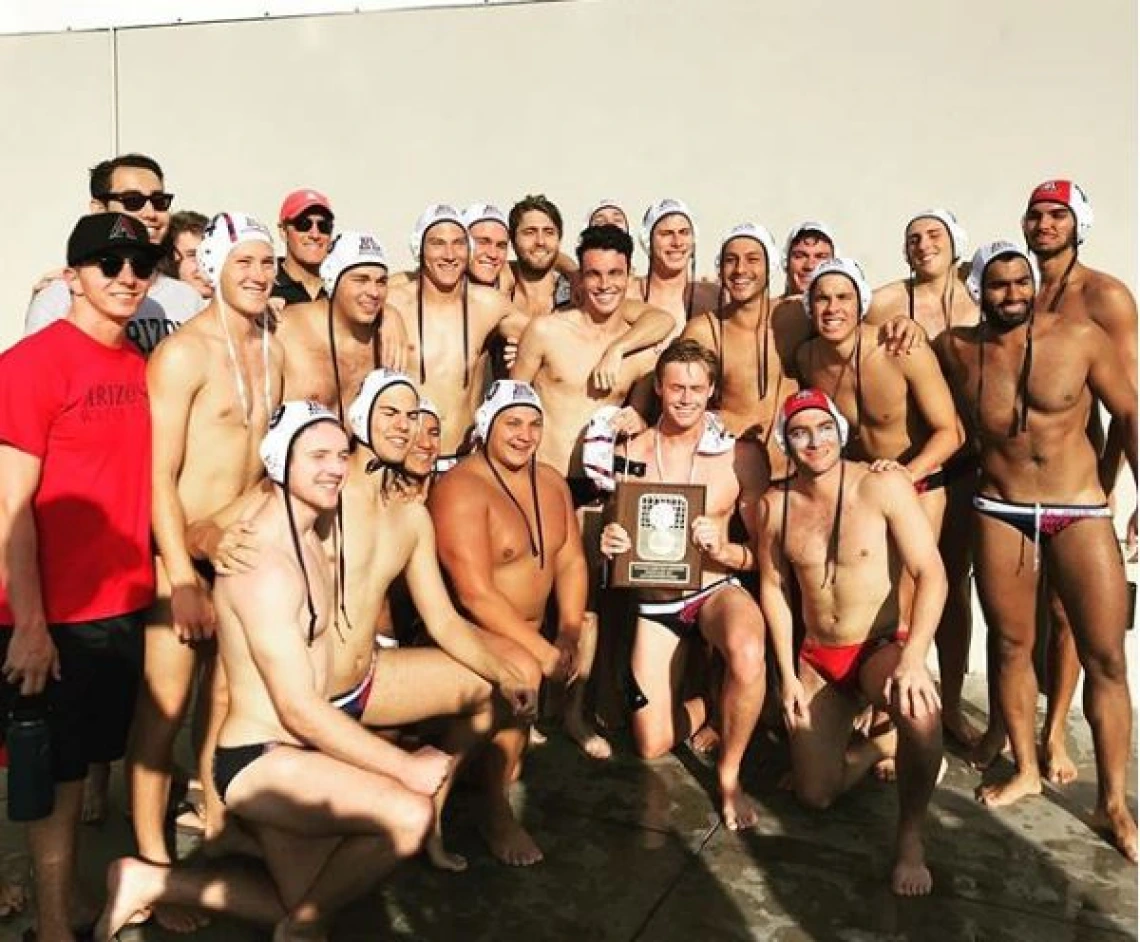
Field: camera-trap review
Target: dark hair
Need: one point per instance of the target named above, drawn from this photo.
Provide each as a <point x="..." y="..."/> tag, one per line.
<point x="688" y="350"/>
<point x="609" y="238"/>
<point x="185" y="221"/>
<point x="101" y="172"/>
<point x="531" y="202"/>
<point x="816" y="235"/>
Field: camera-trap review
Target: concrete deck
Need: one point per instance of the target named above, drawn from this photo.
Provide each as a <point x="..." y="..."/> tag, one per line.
<point x="635" y="852"/>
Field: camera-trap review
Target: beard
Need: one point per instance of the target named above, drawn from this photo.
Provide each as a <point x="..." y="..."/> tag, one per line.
<point x="1001" y="323"/>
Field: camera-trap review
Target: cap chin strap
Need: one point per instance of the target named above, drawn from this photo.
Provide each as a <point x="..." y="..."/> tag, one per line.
<point x="231" y="353"/>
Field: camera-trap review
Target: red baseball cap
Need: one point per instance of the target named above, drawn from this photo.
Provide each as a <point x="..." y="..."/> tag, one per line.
<point x="802" y="401"/>
<point x="300" y="200"/>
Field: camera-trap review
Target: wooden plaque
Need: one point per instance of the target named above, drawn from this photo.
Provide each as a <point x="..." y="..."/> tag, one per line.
<point x="659" y="519"/>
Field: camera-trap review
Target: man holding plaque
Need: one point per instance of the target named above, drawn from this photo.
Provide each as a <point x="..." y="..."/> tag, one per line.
<point x="689" y="446"/>
<point x="845" y="533"/>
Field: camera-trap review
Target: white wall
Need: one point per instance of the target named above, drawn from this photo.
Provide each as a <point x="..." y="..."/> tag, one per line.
<point x="856" y="113"/>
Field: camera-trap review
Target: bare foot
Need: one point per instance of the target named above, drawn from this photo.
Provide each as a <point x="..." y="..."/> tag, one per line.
<point x="508" y="841"/>
<point x="132" y="887"/>
<point x="1020" y="785"/>
<point x="1120" y="829"/>
<point x="705" y="741"/>
<point x="910" y="876"/>
<point x="1056" y="764"/>
<point x="441" y="858"/>
<point x="884" y="770"/>
<point x="737" y="809"/>
<point x="987" y="750"/>
<point x="590" y="742"/>
<point x="13" y="898"/>
<point x="536" y="737"/>
<point x="960" y="730"/>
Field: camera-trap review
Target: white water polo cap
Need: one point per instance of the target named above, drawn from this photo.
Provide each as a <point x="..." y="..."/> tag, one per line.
<point x="1068" y="194"/>
<point x="224" y="233"/>
<point x="754" y="231"/>
<point x="987" y="253"/>
<point x="432" y="216"/>
<point x="483" y="212"/>
<point x="802" y="401"/>
<point x="601" y="204"/>
<point x="958" y="239"/>
<point x="656" y="213"/>
<point x="850" y="269"/>
<point x="807" y="227"/>
<point x="350" y="250"/>
<point x="503" y="395"/>
<point x="375" y="383"/>
<point x="285" y="425"/>
<point x="430" y="408"/>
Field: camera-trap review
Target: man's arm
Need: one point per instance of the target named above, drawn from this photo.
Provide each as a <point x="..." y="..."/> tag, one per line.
<point x="173" y="380"/>
<point x="927" y="385"/>
<point x="648" y="326"/>
<point x="775" y="576"/>
<point x="918" y="551"/>
<point x="462" y="527"/>
<point x="1105" y="369"/>
<point x="267" y="602"/>
<point x="1114" y="310"/>
<point x="47" y="305"/>
<point x="31" y="655"/>
<point x="531" y="351"/>
<point x="393" y="339"/>
<point x="226" y="539"/>
<point x="571" y="574"/>
<point x="453" y="633"/>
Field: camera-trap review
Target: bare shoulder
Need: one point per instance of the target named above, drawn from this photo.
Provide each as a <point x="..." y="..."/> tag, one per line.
<point x="881" y="488"/>
<point x="462" y="484"/>
<point x="633" y="308"/>
<point x="549" y="476"/>
<point x="640" y="446"/>
<point x="887" y="301"/>
<point x="487" y="299"/>
<point x="699" y="327"/>
<point x="184" y="353"/>
<point x="1109" y="301"/>
<point x="299" y="318"/>
<point x="274" y="582"/>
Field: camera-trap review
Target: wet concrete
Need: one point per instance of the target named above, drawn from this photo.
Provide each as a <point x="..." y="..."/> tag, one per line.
<point x="634" y="851"/>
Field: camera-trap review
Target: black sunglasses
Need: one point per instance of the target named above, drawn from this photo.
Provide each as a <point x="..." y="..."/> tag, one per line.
<point x="110" y="265"/>
<point x="133" y="201"/>
<point x="305" y="224"/>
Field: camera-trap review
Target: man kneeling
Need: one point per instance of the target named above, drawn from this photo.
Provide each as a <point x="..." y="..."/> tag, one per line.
<point x="333" y="807"/>
<point x="843" y="531"/>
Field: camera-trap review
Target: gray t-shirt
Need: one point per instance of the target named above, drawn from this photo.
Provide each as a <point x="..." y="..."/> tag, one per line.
<point x="167" y="306"/>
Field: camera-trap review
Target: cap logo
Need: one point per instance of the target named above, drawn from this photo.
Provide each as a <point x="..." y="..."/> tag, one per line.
<point x="122" y="229"/>
<point x="368" y="244"/>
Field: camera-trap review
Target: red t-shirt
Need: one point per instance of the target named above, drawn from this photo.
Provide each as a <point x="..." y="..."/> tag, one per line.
<point x="82" y="409"/>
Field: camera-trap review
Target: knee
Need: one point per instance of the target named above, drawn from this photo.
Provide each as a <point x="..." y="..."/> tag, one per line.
<point x="416" y="820"/>
<point x="1015" y="648"/>
<point x="651" y="743"/>
<point x="1106" y="665"/>
<point x="744" y="657"/>
<point x="815" y="795"/>
<point x="924" y="728"/>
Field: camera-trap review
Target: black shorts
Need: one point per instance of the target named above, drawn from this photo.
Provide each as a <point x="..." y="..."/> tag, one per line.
<point x="90" y="708"/>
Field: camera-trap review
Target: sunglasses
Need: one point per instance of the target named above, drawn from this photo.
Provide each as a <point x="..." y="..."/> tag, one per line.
<point x="133" y="201"/>
<point x="111" y="265"/>
<point x="323" y="223"/>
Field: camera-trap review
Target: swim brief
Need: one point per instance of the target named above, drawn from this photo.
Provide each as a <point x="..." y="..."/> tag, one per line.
<point x="680" y="615"/>
<point x="840" y="664"/>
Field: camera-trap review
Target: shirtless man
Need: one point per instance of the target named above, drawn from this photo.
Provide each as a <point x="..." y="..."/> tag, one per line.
<point x="843" y="533"/>
<point x="1026" y="379"/>
<point x="332" y="807"/>
<point x="419" y="465"/>
<point x="755" y="351"/>
<point x="581" y="359"/>
<point x="509" y="539"/>
<point x="669" y="238"/>
<point x="687" y="445"/>
<point x="331" y="344"/>
<point x="900" y="409"/>
<point x="450" y="322"/>
<point x="213" y="387"/>
<point x="935" y="297"/>
<point x="1057" y="220"/>
<point x="809" y="243"/>
<point x="537" y="287"/>
<point x="488" y="231"/>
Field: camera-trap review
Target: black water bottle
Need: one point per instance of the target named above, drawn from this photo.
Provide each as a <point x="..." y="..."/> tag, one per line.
<point x="31" y="789"/>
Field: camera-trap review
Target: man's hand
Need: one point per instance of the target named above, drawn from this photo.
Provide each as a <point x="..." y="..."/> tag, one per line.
<point x="520" y="695"/>
<point x="615" y="540"/>
<point x="912" y="688"/>
<point x="193" y="613"/>
<point x="607" y="369"/>
<point x="795" y="702"/>
<point x="510" y="351"/>
<point x="234" y="549"/>
<point x="627" y="422"/>
<point x="707" y="537"/>
<point x="426" y="770"/>
<point x="900" y="335"/>
<point x="394" y="346"/>
<point x="32" y="658"/>
<point x="887" y="464"/>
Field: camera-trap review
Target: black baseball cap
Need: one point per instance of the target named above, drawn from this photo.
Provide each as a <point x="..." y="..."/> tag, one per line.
<point x="101" y="233"/>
